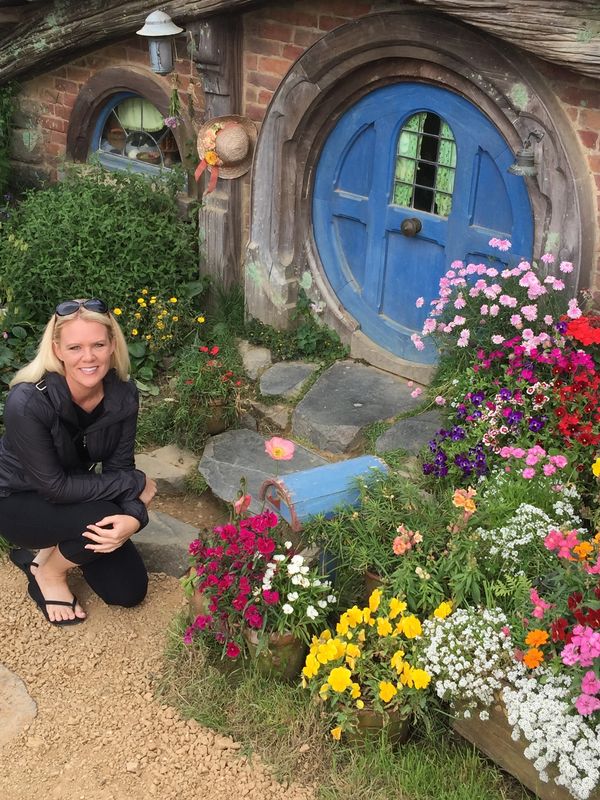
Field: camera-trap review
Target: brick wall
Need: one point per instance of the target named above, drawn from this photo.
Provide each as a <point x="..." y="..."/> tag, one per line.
<point x="275" y="37"/>
<point x="46" y="102"/>
<point x="580" y="97"/>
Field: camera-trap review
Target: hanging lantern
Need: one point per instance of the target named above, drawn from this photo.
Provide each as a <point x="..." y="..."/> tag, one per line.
<point x="524" y="164"/>
<point x="160" y="31"/>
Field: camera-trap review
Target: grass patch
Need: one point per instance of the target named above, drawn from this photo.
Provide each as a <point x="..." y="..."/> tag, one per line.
<point x="282" y="725"/>
<point x="4" y="546"/>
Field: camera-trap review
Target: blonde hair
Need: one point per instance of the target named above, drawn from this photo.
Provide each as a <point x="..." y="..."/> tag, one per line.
<point x="47" y="361"/>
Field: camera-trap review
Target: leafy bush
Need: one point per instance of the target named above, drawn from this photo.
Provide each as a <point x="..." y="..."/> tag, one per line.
<point x="94" y="234"/>
<point x="7" y="105"/>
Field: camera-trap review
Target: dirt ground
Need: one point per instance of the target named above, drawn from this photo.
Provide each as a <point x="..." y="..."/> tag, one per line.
<point x="99" y="733"/>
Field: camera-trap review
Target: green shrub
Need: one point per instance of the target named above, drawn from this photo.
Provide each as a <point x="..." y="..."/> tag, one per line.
<point x="7" y="107"/>
<point x="96" y="233"/>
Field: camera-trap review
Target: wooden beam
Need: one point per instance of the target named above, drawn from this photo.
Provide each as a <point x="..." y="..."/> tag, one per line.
<point x="8" y="16"/>
<point x="52" y="31"/>
<point x="565" y="32"/>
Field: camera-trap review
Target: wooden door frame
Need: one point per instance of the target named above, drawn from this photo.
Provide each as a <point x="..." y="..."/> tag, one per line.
<point x="335" y="73"/>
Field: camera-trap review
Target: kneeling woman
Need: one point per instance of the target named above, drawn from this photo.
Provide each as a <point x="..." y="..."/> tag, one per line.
<point x="72" y="408"/>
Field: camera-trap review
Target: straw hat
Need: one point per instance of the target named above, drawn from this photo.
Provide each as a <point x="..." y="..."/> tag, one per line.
<point x="232" y="139"/>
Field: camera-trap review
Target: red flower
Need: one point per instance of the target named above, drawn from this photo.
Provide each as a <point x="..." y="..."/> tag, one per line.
<point x="232" y="650"/>
<point x="214" y="350"/>
<point x="203" y="349"/>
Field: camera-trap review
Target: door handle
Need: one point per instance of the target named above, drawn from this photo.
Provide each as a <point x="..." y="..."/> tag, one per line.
<point x="410" y="226"/>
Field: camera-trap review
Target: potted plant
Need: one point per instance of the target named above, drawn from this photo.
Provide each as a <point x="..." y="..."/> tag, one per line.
<point x="366" y="671"/>
<point x="256" y="596"/>
<point x="208" y="386"/>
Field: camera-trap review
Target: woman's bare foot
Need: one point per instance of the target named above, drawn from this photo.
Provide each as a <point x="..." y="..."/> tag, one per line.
<point x="42" y="556"/>
<point x="51" y="576"/>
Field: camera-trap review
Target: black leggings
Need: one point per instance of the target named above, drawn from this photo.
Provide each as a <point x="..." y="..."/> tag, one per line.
<point x="28" y="520"/>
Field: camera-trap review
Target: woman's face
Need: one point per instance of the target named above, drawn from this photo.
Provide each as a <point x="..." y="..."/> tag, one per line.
<point x="85" y="350"/>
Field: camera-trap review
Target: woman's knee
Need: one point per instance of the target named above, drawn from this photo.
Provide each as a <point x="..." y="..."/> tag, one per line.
<point x="128" y="594"/>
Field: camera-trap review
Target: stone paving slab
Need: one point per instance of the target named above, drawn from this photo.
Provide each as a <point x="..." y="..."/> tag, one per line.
<point x="168" y="466"/>
<point x="164" y="542"/>
<point x="17" y="708"/>
<point x="241" y="453"/>
<point x="344" y="401"/>
<point x="286" y="378"/>
<point x="410" y="434"/>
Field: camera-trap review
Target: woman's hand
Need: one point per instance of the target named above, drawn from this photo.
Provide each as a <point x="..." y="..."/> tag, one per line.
<point x="148" y="492"/>
<point x="111" y="532"/>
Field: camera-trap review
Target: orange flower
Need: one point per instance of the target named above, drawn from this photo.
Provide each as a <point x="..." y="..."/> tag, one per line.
<point x="463" y="498"/>
<point x="582" y="550"/>
<point x="212" y="159"/>
<point x="536" y="637"/>
<point x="533" y="658"/>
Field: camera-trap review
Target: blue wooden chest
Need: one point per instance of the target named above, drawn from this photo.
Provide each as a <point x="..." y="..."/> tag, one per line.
<point x="320" y="490"/>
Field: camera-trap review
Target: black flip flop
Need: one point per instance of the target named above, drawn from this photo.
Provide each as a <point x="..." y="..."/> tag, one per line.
<point x="38" y="598"/>
<point x="23" y="559"/>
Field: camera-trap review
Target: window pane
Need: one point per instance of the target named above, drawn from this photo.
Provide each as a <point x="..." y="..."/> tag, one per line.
<point x="425" y="165"/>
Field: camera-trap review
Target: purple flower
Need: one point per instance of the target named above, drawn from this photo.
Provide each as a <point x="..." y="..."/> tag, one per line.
<point x="536" y="424"/>
<point x="505" y="394"/>
<point x="171" y="122"/>
<point x="457" y="433"/>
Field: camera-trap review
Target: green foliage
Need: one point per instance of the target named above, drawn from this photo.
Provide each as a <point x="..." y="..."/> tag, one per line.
<point x="306" y="340"/>
<point x="7" y="107"/>
<point x="282" y="725"/>
<point x="96" y="233"/>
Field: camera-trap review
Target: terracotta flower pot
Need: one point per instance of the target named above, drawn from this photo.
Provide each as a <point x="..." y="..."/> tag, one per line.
<point x="216" y="416"/>
<point x="371" y="723"/>
<point x="281" y="656"/>
<point x="372" y="581"/>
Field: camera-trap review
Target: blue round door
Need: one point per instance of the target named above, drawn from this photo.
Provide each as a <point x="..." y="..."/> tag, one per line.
<point x="412" y="178"/>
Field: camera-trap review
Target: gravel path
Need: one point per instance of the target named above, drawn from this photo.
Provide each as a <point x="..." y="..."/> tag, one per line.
<point x="99" y="734"/>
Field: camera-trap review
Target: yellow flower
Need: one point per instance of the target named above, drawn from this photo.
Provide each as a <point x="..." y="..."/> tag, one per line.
<point x="137" y="315"/>
<point x="396" y="607"/>
<point x="148" y="336"/>
<point x="343" y="625"/>
<point x="411" y="627"/>
<point x="336" y="733"/>
<point x="360" y="704"/>
<point x="361" y="636"/>
<point x="367" y="615"/>
<point x="420" y="678"/>
<point x="117" y="312"/>
<point x="443" y="610"/>
<point x="352" y="650"/>
<point x="152" y="300"/>
<point x="355" y="616"/>
<point x="327" y="652"/>
<point x="375" y="599"/>
<point x="387" y="690"/>
<point x="134" y="332"/>
<point x="384" y="626"/>
<point x="172" y="299"/>
<point x="326" y="635"/>
<point x="339" y="679"/>
<point x="160" y="325"/>
<point x="175" y="318"/>
<point x="596" y="468"/>
<point x="141" y="301"/>
<point x="355" y="691"/>
<point x="144" y="291"/>
<point x="396" y="660"/>
<point x="311" y="666"/>
<point x="324" y="691"/>
<point x="200" y="320"/>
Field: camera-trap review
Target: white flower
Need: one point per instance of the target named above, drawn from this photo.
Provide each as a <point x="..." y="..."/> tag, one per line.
<point x="279" y="557"/>
<point x="331" y="598"/>
<point x="322" y="603"/>
<point x="292" y="596"/>
<point x="312" y="612"/>
<point x="287" y="608"/>
<point x="297" y="579"/>
<point x="297" y="560"/>
<point x="287" y="545"/>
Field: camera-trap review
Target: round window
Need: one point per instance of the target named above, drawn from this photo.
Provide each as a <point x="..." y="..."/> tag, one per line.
<point x="130" y="133"/>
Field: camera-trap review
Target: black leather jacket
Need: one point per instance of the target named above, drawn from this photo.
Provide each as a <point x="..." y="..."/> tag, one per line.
<point x="39" y="453"/>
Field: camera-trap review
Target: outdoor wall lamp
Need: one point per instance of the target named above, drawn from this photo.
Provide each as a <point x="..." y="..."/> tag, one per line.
<point x="524" y="164"/>
<point x="160" y="31"/>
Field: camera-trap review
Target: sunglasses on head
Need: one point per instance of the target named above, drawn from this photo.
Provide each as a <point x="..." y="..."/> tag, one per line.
<point x="71" y="306"/>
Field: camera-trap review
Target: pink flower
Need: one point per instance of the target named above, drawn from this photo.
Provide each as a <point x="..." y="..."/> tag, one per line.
<point x="549" y="469"/>
<point x="558" y="285"/>
<point x="528" y="473"/>
<point x="232" y="650"/>
<point x="440" y="401"/>
<point x="280" y="449"/>
<point x="590" y="683"/>
<point x="540" y="605"/>
<point x="497" y="339"/>
<point x="416" y="392"/>
<point x="516" y="321"/>
<point x="242" y="504"/>
<point x="560" y="461"/>
<point x="548" y="258"/>
<point x="586" y="705"/>
<point x="265" y="545"/>
<point x="419" y="302"/>
<point x="573" y="311"/>
<point x="271" y="597"/>
<point x="529" y="312"/>
<point x="499" y="244"/>
<point x="463" y="339"/>
<point x="494" y="309"/>
<point x="548" y="319"/>
<point x="460" y="302"/>
<point x="566" y="266"/>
